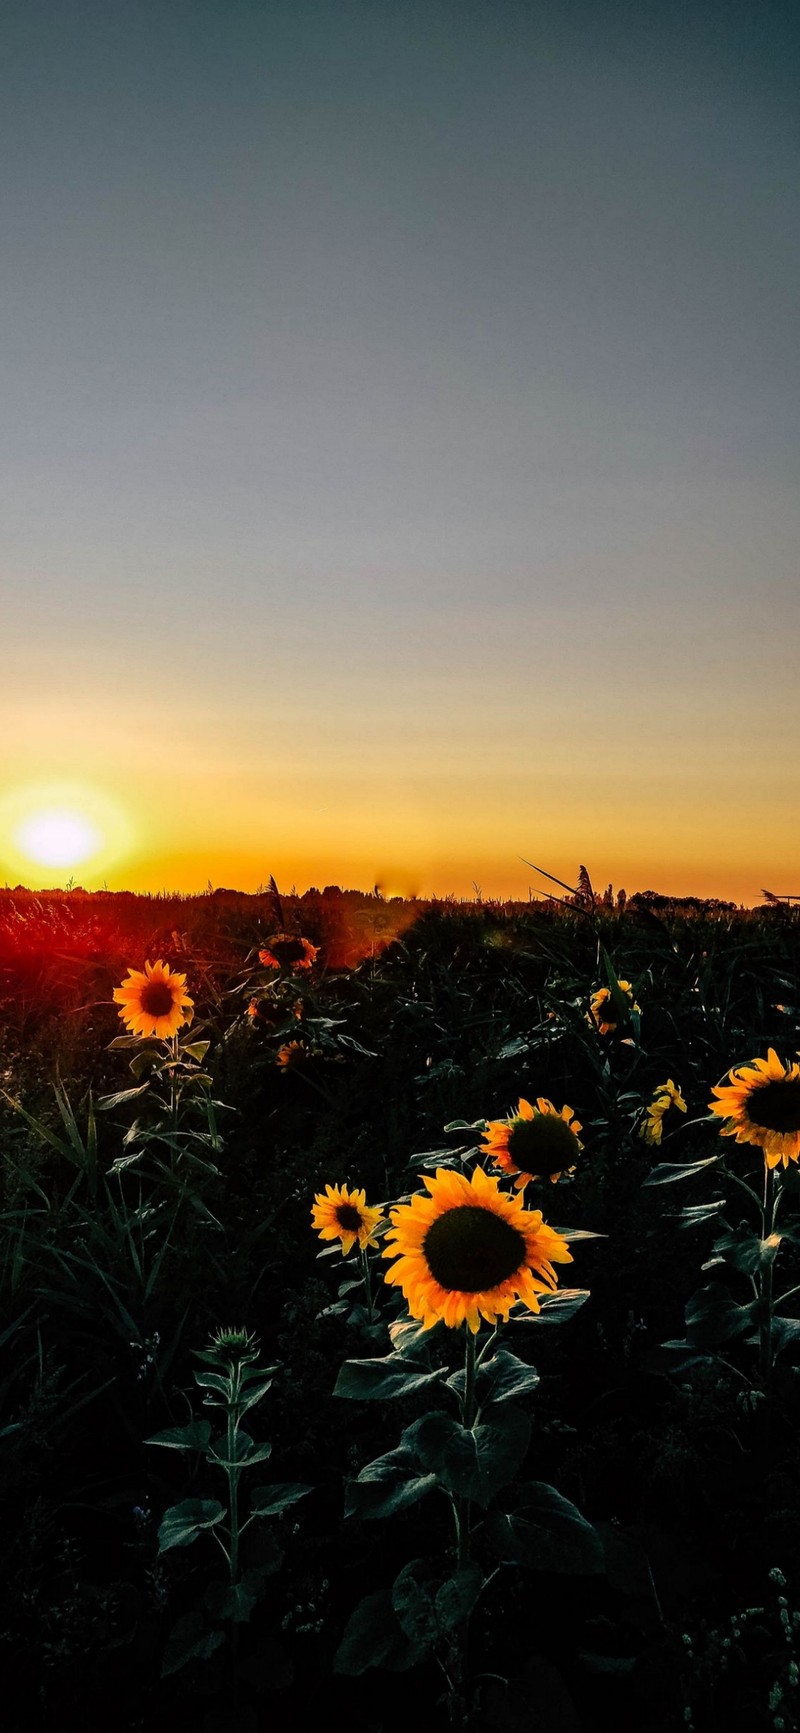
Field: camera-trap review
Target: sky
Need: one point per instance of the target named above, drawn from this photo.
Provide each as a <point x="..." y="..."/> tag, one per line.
<point x="399" y="449"/>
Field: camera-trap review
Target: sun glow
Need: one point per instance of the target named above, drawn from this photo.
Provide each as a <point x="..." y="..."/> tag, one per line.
<point x="58" y="826"/>
<point x="58" y="838"/>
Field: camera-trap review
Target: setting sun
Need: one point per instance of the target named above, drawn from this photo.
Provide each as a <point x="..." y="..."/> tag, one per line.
<point x="58" y="838"/>
<point x="58" y="825"/>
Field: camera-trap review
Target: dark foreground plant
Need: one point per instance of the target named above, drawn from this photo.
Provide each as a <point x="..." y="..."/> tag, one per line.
<point x="467" y="1256"/>
<point x="234" y="1385"/>
<point x="760" y="1105"/>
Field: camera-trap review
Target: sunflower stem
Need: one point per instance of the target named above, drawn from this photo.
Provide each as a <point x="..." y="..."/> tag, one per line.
<point x="233" y="1470"/>
<point x="767" y="1226"/>
<point x="468" y="1420"/>
<point x="367" y="1275"/>
<point x="470" y="1362"/>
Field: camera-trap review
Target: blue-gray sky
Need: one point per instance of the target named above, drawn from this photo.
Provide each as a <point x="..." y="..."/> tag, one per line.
<point x="400" y="434"/>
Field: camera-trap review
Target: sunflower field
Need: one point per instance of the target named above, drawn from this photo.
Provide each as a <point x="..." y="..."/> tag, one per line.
<point x="400" y="1313"/>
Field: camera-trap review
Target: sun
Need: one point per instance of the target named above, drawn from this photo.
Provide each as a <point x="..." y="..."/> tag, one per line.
<point x="58" y="838"/>
<point x="60" y="826"/>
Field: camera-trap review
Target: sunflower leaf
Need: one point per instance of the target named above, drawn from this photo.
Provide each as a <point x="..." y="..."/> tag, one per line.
<point x="553" y="1308"/>
<point x="245" y="1449"/>
<point x="505" y="1376"/>
<point x="182" y="1523"/>
<point x="667" y="1171"/>
<point x="744" y="1250"/>
<point x="234" y="1601"/>
<point x="785" y="1333"/>
<point x="376" y="1380"/>
<point x="105" y="1102"/>
<point x="471" y="1462"/>
<point x="428" y="1609"/>
<point x="695" y="1213"/>
<point x="712" y="1315"/>
<point x="374" y="1637"/>
<point x="192" y="1437"/>
<point x="545" y="1532"/>
<point x="410" y="1338"/>
<point x="387" y="1485"/>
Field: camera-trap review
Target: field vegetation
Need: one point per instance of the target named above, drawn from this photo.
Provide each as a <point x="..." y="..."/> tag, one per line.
<point x="400" y="1312"/>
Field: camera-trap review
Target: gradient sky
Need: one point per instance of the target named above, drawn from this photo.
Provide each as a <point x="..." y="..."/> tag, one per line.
<point x="400" y="437"/>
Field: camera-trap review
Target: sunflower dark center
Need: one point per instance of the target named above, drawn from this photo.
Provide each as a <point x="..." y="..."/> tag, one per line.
<point x="348" y="1217"/>
<point x="470" y="1249"/>
<point x="776" y="1105"/>
<point x="544" y="1144"/>
<point x="157" y="999"/>
<point x="606" y="1011"/>
<point x="287" y="949"/>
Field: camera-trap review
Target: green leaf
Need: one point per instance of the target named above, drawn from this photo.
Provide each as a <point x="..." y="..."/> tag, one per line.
<point x="554" y="1308"/>
<point x="189" y="1640"/>
<point x="505" y="1376"/>
<point x="695" y="1213"/>
<point x="413" y="1602"/>
<point x="212" y="1381"/>
<point x="498" y="1379"/>
<point x="374" y="1638"/>
<point x="354" y="1046"/>
<point x="712" y="1315"/>
<point x="389" y="1484"/>
<point x="197" y="1050"/>
<point x="182" y="1523"/>
<point x="744" y="1250"/>
<point x="271" y="1500"/>
<point x="106" y="1102"/>
<point x="545" y="1532"/>
<point x="668" y="1171"/>
<point x="411" y="1339"/>
<point x="785" y="1333"/>
<point x="192" y="1437"/>
<point x="471" y="1462"/>
<point x="377" y="1380"/>
<point x="234" y="1601"/>
<point x="427" y="1608"/>
<point x="141" y="1062"/>
<point x="457" y="1596"/>
<point x="245" y="1450"/>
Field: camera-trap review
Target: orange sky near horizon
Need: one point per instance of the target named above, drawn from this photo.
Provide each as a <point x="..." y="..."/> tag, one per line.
<point x="424" y="780"/>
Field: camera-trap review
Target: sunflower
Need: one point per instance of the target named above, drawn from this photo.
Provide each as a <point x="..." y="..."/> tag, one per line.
<point x="761" y="1105"/>
<point x="665" y="1096"/>
<point x="535" y="1142"/>
<point x="154" y="1002"/>
<point x="468" y="1251"/>
<point x="339" y="1214"/>
<point x="234" y="1342"/>
<point x="285" y="951"/>
<point x="292" y="1055"/>
<point x="602" y="1010"/>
